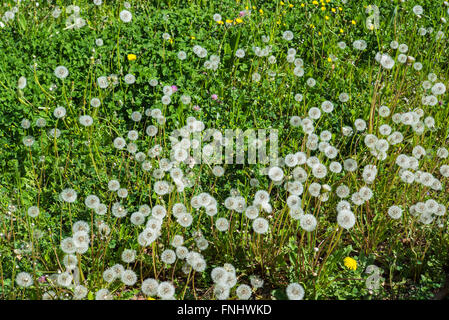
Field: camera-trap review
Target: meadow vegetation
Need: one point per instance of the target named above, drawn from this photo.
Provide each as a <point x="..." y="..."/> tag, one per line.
<point x="103" y="103"/>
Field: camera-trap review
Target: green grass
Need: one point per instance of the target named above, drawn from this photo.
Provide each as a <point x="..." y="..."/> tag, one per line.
<point x="412" y="251"/>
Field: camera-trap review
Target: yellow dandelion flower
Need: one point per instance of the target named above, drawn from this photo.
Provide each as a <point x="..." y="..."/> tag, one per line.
<point x="353" y="21"/>
<point x="238" y="20"/>
<point x="282" y="3"/>
<point x="303" y="5"/>
<point x="132" y="57"/>
<point x="329" y="59"/>
<point x="315" y="2"/>
<point x="220" y="22"/>
<point x="340" y="8"/>
<point x="350" y="263"/>
<point x="229" y="21"/>
<point x="341" y="30"/>
<point x="150" y="298"/>
<point x="326" y="17"/>
<point x="333" y="10"/>
<point x="261" y="11"/>
<point x="323" y="8"/>
<point x="290" y="5"/>
<point x="192" y="37"/>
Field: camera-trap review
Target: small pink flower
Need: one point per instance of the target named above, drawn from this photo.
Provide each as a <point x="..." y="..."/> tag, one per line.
<point x="242" y="13"/>
<point x="41" y="279"/>
<point x="174" y="88"/>
<point x="196" y="108"/>
<point x="214" y="97"/>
